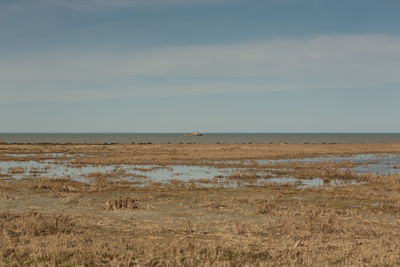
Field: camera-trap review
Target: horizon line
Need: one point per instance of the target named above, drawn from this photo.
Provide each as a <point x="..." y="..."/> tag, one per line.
<point x="184" y="132"/>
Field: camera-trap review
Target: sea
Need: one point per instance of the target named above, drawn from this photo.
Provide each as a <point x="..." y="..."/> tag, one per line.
<point x="206" y="138"/>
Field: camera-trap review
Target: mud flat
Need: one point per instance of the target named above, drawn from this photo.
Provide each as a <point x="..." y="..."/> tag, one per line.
<point x="194" y="204"/>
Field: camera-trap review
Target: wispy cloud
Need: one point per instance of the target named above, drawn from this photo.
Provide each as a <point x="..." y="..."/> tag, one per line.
<point x="324" y="62"/>
<point x="132" y="3"/>
<point x="90" y="4"/>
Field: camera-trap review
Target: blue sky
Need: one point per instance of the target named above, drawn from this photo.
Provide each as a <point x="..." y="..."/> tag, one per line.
<point x="213" y="66"/>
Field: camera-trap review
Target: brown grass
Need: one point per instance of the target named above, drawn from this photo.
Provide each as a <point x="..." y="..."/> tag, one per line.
<point x="127" y="203"/>
<point x="34" y="224"/>
<point x="60" y="222"/>
<point x="193" y="154"/>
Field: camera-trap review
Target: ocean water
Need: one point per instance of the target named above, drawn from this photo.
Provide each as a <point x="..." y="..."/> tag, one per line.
<point x="207" y="138"/>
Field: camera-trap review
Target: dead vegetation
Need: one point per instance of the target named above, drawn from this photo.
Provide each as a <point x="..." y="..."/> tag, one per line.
<point x="195" y="154"/>
<point x="34" y="224"/>
<point x="200" y="226"/>
<point x="126" y="203"/>
<point x="266" y="206"/>
<point x="61" y="222"/>
<point x="46" y="185"/>
<point x="16" y="170"/>
<point x="116" y="174"/>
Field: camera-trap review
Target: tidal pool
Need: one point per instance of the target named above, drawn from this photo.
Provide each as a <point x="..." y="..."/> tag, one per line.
<point x="55" y="168"/>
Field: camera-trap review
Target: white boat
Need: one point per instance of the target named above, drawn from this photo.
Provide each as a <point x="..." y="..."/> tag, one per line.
<point x="194" y="134"/>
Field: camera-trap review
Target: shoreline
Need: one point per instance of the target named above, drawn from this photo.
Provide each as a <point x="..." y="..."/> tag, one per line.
<point x="208" y="138"/>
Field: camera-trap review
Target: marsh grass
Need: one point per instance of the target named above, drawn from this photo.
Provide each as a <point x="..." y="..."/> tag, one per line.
<point x="186" y="224"/>
<point x="16" y="170"/>
<point x="34" y="224"/>
<point x="252" y="226"/>
<point x="127" y="203"/>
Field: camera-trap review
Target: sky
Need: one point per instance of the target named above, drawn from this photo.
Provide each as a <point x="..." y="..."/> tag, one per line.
<point x="206" y="65"/>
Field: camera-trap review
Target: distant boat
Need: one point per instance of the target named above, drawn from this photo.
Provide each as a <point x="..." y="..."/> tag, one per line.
<point x="194" y="134"/>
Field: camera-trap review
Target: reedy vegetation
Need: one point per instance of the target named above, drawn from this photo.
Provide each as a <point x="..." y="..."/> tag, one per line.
<point x="62" y="222"/>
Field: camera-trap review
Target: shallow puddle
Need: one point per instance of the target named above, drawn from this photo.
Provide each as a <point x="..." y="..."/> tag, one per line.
<point x="46" y="155"/>
<point x="310" y="182"/>
<point x="51" y="169"/>
<point x="366" y="163"/>
<point x="208" y="175"/>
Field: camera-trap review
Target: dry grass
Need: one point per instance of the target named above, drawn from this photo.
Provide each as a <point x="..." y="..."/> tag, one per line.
<point x="45" y="185"/>
<point x="60" y="222"/>
<point x="276" y="231"/>
<point x="127" y="203"/>
<point x="256" y="226"/>
<point x="34" y="224"/>
<point x="188" y="154"/>
<point x="16" y="170"/>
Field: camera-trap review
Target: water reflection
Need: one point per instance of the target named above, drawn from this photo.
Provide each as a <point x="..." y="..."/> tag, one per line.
<point x="366" y="163"/>
<point x="207" y="175"/>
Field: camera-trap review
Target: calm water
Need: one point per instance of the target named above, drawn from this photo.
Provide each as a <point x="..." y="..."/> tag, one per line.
<point x="142" y="174"/>
<point x="211" y="138"/>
